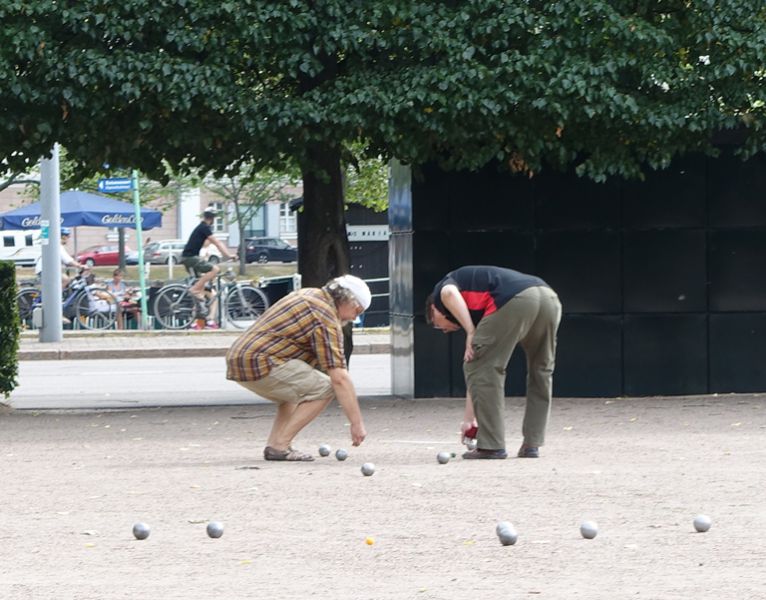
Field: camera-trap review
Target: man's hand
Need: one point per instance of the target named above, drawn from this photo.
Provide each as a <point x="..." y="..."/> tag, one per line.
<point x="346" y="396"/>
<point x="468" y="355"/>
<point x="358" y="433"/>
<point x="468" y="426"/>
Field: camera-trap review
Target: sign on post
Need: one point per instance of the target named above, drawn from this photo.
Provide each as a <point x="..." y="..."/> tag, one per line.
<point x="114" y="185"/>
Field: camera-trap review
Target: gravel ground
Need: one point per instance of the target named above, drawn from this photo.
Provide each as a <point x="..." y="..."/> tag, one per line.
<point x="73" y="484"/>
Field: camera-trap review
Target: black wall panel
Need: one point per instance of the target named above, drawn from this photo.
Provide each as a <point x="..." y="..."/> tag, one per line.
<point x="433" y="367"/>
<point x="662" y="281"/>
<point x="589" y="356"/>
<point x="456" y="343"/>
<point x="665" y="354"/>
<point x="508" y="249"/>
<point x="737" y="351"/>
<point x="490" y="202"/>
<point x="583" y="267"/>
<point x="737" y="191"/>
<point x="431" y="261"/>
<point x="737" y="270"/>
<point x="665" y="271"/>
<point x="430" y="195"/>
<point x="567" y="202"/>
<point x="674" y="198"/>
<point x="516" y="374"/>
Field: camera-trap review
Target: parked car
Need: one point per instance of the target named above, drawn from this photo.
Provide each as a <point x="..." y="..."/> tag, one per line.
<point x="211" y="254"/>
<point x="98" y="256"/>
<point x="164" y="251"/>
<point x="264" y="250"/>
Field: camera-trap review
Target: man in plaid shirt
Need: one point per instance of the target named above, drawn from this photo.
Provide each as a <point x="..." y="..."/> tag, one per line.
<point x="293" y="356"/>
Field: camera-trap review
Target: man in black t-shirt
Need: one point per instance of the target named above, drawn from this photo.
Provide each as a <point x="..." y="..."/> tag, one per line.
<point x="498" y="309"/>
<point x="190" y="258"/>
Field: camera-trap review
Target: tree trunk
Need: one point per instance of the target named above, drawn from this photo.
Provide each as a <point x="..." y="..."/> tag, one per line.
<point x="242" y="250"/>
<point x="322" y="239"/>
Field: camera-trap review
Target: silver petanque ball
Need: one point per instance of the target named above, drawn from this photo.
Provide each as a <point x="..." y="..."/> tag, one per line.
<point x="702" y="523"/>
<point x="141" y="531"/>
<point x="341" y="454"/>
<point x="502" y="525"/>
<point x="507" y="534"/>
<point x="472" y="444"/>
<point x="588" y="529"/>
<point x="443" y="457"/>
<point x="324" y="450"/>
<point x="368" y="469"/>
<point x="215" y="529"/>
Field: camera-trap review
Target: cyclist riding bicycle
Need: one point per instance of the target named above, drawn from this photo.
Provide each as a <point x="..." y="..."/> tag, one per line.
<point x="66" y="259"/>
<point x="190" y="258"/>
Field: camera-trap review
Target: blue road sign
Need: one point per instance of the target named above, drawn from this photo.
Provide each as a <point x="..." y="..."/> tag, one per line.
<point x="114" y="185"/>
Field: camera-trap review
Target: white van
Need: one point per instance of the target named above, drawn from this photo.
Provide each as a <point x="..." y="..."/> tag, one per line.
<point x="21" y="247"/>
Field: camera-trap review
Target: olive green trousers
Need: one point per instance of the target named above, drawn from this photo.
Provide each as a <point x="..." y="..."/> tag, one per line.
<point x="530" y="319"/>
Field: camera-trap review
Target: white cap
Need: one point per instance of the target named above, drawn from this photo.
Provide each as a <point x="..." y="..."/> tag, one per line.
<point x="357" y="287"/>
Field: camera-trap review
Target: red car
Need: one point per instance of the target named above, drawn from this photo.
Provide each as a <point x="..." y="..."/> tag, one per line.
<point x="97" y="256"/>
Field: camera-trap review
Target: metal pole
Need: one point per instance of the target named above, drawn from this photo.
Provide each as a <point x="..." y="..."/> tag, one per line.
<point x="50" y="214"/>
<point x="121" y="248"/>
<point x="139" y="242"/>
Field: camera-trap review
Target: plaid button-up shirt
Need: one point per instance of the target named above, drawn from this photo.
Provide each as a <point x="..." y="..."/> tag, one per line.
<point x="304" y="325"/>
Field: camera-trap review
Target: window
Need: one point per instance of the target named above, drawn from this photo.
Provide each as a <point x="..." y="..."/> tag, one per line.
<point x="256" y="227"/>
<point x="28" y="240"/>
<point x="288" y="223"/>
<point x="219" y="224"/>
<point x="8" y="241"/>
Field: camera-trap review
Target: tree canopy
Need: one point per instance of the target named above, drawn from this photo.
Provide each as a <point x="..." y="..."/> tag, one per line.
<point x="608" y="87"/>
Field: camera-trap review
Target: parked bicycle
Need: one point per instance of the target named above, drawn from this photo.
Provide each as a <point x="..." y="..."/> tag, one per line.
<point x="238" y="303"/>
<point x="84" y="304"/>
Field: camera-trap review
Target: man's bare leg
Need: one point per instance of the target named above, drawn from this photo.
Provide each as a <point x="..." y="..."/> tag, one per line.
<point x="285" y="411"/>
<point x="198" y="289"/>
<point x="283" y="433"/>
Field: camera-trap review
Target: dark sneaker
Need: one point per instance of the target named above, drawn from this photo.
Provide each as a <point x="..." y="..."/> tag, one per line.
<point x="529" y="452"/>
<point x="486" y="454"/>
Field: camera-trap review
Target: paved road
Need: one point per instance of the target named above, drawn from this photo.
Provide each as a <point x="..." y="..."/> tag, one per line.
<point x="127" y="383"/>
<point x="79" y="345"/>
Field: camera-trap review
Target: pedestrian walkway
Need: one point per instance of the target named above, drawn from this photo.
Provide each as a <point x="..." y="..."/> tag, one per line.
<point x="78" y="345"/>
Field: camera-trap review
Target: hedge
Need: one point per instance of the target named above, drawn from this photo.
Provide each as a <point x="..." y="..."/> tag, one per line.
<point x="9" y="329"/>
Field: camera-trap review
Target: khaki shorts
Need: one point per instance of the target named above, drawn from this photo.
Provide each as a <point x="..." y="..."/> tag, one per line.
<point x="294" y="381"/>
<point x="196" y="265"/>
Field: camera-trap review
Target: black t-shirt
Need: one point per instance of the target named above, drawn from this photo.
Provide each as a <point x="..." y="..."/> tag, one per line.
<point x="197" y="239"/>
<point x="485" y="289"/>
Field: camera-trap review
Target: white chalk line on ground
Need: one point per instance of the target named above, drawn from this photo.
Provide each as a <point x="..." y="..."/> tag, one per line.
<point x="417" y="441"/>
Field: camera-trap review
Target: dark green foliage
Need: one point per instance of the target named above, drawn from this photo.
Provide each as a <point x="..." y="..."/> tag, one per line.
<point x="608" y="87"/>
<point x="9" y="328"/>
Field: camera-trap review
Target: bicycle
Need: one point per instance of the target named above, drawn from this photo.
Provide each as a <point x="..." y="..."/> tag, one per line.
<point x="240" y="303"/>
<point x="83" y="303"/>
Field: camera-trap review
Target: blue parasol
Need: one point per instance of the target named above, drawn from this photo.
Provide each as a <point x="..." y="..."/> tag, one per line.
<point x="82" y="208"/>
